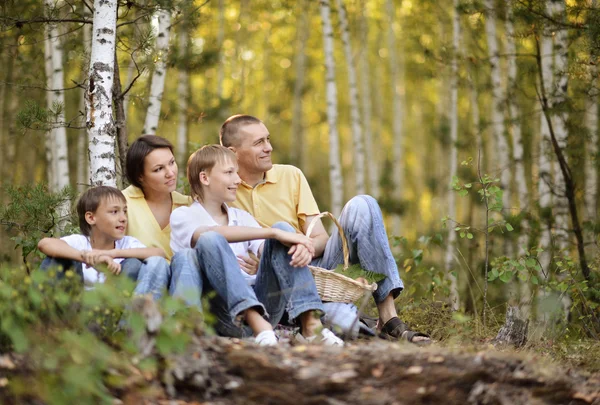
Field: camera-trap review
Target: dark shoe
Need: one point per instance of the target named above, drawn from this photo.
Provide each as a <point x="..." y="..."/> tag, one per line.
<point x="395" y="329"/>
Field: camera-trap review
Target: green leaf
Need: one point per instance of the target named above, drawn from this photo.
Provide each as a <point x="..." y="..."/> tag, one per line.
<point x="509" y="227"/>
<point x="469" y="235"/>
<point x="506" y="276"/>
<point x="534" y="280"/>
<point x="463" y="192"/>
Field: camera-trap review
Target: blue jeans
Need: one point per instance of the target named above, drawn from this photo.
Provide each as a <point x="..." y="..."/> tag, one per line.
<point x="368" y="243"/>
<point x="212" y="266"/>
<point x="152" y="274"/>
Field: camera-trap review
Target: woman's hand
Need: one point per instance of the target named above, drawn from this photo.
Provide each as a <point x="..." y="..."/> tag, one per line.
<point x="248" y="264"/>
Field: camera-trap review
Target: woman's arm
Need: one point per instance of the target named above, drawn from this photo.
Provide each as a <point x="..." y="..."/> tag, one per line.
<point x="59" y="249"/>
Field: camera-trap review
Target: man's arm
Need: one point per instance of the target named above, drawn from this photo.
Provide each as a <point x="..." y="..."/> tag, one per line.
<point x="318" y="234"/>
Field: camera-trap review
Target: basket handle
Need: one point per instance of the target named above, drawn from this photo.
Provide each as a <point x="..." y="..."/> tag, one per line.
<point x="340" y="230"/>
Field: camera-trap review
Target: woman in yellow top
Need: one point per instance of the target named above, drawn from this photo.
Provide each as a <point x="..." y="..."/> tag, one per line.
<point x="152" y="172"/>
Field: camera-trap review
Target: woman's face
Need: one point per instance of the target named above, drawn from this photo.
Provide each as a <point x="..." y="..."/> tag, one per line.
<point x="160" y="172"/>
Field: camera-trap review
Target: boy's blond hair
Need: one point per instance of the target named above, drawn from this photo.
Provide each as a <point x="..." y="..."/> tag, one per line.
<point x="203" y="160"/>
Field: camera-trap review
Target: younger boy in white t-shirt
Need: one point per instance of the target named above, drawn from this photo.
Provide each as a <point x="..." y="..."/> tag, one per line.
<point x="208" y="235"/>
<point x="102" y="212"/>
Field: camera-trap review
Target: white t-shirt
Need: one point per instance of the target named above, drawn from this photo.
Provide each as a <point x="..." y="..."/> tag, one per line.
<point x="90" y="274"/>
<point x="185" y="221"/>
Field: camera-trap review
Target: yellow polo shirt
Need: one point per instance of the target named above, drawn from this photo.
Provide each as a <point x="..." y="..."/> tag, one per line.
<point x="284" y="195"/>
<point x="141" y="223"/>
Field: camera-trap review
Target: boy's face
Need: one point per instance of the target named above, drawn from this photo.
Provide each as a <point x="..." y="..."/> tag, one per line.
<point x="221" y="182"/>
<point x="109" y="220"/>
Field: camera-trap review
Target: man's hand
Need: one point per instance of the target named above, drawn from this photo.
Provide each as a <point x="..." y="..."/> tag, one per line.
<point x="249" y="264"/>
<point x="292" y="239"/>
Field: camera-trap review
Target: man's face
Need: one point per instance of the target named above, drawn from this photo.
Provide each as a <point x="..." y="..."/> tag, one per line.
<point x="254" y="151"/>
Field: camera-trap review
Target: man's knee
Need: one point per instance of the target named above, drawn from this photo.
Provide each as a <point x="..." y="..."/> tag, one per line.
<point x="362" y="203"/>
<point x="284" y="226"/>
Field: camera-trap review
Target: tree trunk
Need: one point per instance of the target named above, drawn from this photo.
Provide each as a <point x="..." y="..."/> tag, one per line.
<point x="120" y="121"/>
<point x="358" y="149"/>
<point x="183" y="91"/>
<point x="82" y="138"/>
<point x="497" y="104"/>
<point x="451" y="245"/>
<point x="220" y="39"/>
<point x="591" y="163"/>
<point x="556" y="9"/>
<point x="397" y="79"/>
<point x="514" y="330"/>
<point x="50" y="136"/>
<point x="99" y="115"/>
<point x="365" y="96"/>
<point x="335" y="166"/>
<point x="298" y="140"/>
<point x="160" y="72"/>
<point x="56" y="102"/>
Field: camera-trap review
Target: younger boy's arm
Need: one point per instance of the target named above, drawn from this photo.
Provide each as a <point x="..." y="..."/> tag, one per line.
<point x="59" y="249"/>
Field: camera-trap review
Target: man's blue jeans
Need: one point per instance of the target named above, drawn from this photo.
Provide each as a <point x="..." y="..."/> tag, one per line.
<point x="212" y="266"/>
<point x="362" y="223"/>
<point x="152" y="274"/>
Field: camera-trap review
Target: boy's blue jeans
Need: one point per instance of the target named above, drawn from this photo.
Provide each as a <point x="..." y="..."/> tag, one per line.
<point x="152" y="274"/>
<point x="362" y="223"/>
<point x="212" y="266"/>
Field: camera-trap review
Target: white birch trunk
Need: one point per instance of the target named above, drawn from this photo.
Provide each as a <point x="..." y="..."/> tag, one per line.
<point x="497" y="104"/>
<point x="49" y="137"/>
<point x="359" y="151"/>
<point x="335" y="166"/>
<point x="451" y="245"/>
<point x="365" y="93"/>
<point x="160" y="72"/>
<point x="557" y="10"/>
<point x="82" y="139"/>
<point x="99" y="114"/>
<point x="56" y="100"/>
<point x="298" y="139"/>
<point x="591" y="164"/>
<point x="396" y="73"/>
<point x="475" y="119"/>
<point x="515" y="126"/>
<point x="183" y="91"/>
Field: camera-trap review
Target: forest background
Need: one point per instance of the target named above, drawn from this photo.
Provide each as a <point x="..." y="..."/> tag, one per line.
<point x="474" y="123"/>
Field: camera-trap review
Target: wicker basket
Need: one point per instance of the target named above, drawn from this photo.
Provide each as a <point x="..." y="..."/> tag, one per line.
<point x="336" y="287"/>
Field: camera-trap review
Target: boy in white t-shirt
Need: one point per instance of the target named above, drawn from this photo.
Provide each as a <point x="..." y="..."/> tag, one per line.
<point x="207" y="236"/>
<point x="102" y="215"/>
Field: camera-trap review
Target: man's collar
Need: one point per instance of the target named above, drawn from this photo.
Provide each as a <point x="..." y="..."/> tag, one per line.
<point x="270" y="176"/>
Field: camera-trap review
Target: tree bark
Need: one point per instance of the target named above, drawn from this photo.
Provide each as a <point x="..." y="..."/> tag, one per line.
<point x="335" y="166"/>
<point x="160" y="72"/>
<point x="120" y="121"/>
<point x="358" y="148"/>
<point x="397" y="80"/>
<point x="183" y="90"/>
<point x="497" y="104"/>
<point x="220" y="39"/>
<point x="82" y="138"/>
<point x="99" y="114"/>
<point x="298" y="140"/>
<point x="365" y="96"/>
<point x="591" y="162"/>
<point x="451" y="244"/>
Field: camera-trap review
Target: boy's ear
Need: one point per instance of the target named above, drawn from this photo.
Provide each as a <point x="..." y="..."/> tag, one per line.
<point x="204" y="178"/>
<point x="232" y="148"/>
<point x="90" y="218"/>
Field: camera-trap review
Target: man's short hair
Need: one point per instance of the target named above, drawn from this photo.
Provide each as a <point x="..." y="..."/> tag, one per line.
<point x="229" y="133"/>
<point x="91" y="200"/>
<point x="142" y="147"/>
<point x="203" y="160"/>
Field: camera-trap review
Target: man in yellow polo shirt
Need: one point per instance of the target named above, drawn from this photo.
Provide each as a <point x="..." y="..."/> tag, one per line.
<point x="273" y="193"/>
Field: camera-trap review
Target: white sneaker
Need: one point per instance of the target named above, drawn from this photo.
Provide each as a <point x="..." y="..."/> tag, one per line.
<point x="266" y="338"/>
<point x="325" y="337"/>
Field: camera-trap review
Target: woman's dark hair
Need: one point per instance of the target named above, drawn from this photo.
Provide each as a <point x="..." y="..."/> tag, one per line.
<point x="142" y="147"/>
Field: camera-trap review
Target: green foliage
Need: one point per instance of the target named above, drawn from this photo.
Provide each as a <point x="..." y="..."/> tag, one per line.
<point x="356" y="271"/>
<point x="34" y="116"/>
<point x="78" y="344"/>
<point x="31" y="214"/>
<point x="525" y="268"/>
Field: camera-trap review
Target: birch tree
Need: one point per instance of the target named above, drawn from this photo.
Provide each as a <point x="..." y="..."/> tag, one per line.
<point x="358" y="149"/>
<point x="396" y="77"/>
<point x="451" y="245"/>
<point x="82" y="138"/>
<point x="365" y="96"/>
<point x="99" y="115"/>
<point x="157" y="86"/>
<point x="591" y="118"/>
<point x="335" y="166"/>
<point x="298" y="141"/>
<point x="220" y="39"/>
<point x="497" y="115"/>
<point x="183" y="91"/>
<point x="59" y="162"/>
<point x="559" y="95"/>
